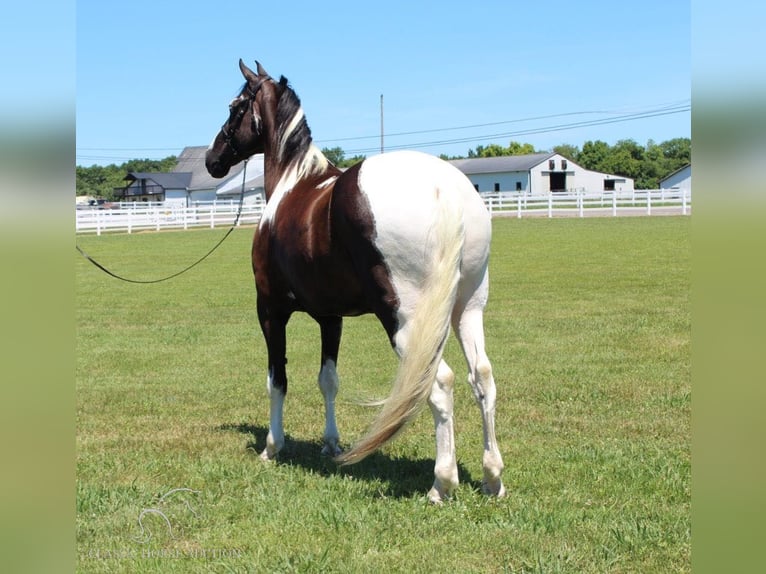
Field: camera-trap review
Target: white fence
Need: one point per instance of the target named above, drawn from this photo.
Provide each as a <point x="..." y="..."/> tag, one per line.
<point x="130" y="217"/>
<point x="583" y="204"/>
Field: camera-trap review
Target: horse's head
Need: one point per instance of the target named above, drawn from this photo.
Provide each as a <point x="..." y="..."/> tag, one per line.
<point x="241" y="135"/>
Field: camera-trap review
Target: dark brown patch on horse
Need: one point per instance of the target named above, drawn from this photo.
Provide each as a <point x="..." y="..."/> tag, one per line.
<point x="318" y="255"/>
<point x="352" y="218"/>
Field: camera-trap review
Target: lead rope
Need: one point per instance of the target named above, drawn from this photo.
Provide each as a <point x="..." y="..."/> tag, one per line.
<point x="200" y="260"/>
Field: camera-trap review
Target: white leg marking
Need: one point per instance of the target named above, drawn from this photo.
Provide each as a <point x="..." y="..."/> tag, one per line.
<point x="470" y="331"/>
<point x="441" y="403"/>
<point x="275" y="440"/>
<point x="328" y="384"/>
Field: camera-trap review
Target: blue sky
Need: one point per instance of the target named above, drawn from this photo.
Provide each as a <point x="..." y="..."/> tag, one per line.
<point x="154" y="77"/>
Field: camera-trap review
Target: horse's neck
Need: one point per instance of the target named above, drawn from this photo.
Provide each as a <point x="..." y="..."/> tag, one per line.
<point x="282" y="174"/>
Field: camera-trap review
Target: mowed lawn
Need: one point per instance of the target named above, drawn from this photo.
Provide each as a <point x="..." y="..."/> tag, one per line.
<point x="588" y="328"/>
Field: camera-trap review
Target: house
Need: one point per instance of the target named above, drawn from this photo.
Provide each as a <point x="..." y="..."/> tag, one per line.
<point x="189" y="182"/>
<point x="146" y="186"/>
<point x="679" y="179"/>
<point x="536" y="174"/>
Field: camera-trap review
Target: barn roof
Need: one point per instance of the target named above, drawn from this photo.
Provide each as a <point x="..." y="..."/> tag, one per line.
<point x="501" y="164"/>
<point x="679" y="170"/>
<point x="192" y="159"/>
<point x="173" y="180"/>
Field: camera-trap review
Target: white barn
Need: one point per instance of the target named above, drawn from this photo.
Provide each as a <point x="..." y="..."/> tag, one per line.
<point x="189" y="182"/>
<point x="679" y="179"/>
<point x="538" y="173"/>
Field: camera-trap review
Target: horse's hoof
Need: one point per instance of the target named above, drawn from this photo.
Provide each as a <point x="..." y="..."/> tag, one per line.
<point x="331" y="450"/>
<point x="435" y="497"/>
<point x="493" y="488"/>
<point x="266" y="456"/>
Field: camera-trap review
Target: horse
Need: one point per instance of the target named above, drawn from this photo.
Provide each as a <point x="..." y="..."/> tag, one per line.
<point x="403" y="235"/>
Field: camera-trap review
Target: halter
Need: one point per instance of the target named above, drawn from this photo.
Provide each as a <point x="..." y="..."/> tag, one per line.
<point x="228" y="135"/>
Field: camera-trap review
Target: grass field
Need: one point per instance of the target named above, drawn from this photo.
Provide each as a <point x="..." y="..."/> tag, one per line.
<point x="588" y="327"/>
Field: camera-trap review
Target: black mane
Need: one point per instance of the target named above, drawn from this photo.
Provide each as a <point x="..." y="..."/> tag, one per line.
<point x="299" y="140"/>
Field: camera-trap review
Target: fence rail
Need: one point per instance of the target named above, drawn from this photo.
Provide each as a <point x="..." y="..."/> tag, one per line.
<point x="582" y="204"/>
<point x="133" y="217"/>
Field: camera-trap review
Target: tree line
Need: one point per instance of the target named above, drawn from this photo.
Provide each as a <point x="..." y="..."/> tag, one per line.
<point x="645" y="164"/>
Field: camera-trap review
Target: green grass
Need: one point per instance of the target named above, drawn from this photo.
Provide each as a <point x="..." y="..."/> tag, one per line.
<point x="588" y="327"/>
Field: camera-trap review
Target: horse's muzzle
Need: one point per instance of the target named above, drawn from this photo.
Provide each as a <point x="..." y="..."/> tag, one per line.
<point x="215" y="167"/>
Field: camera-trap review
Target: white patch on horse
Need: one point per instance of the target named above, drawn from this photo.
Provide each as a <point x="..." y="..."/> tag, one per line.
<point x="294" y="122"/>
<point x="275" y="440"/>
<point x="328" y="384"/>
<point x="313" y="161"/>
<point x="327" y="182"/>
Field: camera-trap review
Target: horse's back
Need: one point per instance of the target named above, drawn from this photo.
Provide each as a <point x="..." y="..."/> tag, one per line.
<point x="396" y="201"/>
<point x="404" y="190"/>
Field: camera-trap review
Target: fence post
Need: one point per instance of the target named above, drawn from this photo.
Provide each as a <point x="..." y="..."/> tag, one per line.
<point x="614" y="204"/>
<point x="130" y="221"/>
<point x="518" y="207"/>
<point x="550" y="204"/>
<point x="683" y="201"/>
<point x="580" y="204"/>
<point x="649" y="202"/>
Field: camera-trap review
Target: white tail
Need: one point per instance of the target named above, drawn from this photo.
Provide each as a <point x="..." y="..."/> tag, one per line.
<point x="428" y="331"/>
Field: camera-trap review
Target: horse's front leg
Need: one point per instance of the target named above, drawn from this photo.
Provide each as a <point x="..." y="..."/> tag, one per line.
<point x="331" y="328"/>
<point x="273" y="324"/>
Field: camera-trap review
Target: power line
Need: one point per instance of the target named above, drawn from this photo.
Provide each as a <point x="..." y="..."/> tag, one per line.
<point x="657" y="111"/>
<point x="531" y="131"/>
<point x="658" y="107"/>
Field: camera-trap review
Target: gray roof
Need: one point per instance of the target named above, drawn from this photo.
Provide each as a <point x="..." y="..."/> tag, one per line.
<point x="234" y="185"/>
<point x="679" y="170"/>
<point x="173" y="180"/>
<point x="192" y="160"/>
<point x="500" y="164"/>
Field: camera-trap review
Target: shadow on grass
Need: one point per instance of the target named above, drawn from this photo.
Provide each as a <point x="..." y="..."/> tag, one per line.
<point x="400" y="477"/>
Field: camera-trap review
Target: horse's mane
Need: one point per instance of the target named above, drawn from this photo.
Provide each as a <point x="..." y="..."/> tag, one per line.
<point x="294" y="134"/>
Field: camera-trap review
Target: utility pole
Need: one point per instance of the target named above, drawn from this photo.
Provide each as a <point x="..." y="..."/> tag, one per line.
<point x="381" y="123"/>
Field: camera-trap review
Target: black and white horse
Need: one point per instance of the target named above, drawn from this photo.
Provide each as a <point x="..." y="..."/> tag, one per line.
<point x="402" y="235"/>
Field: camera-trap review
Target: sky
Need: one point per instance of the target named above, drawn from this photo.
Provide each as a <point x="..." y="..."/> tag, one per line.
<point x="155" y="77"/>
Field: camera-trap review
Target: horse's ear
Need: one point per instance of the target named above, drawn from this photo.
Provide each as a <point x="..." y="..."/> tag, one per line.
<point x="247" y="72"/>
<point x="261" y="71"/>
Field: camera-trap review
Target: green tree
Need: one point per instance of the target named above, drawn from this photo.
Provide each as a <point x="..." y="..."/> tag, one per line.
<point x="678" y="150"/>
<point x="516" y="148"/>
<point x="334" y="154"/>
<point x="338" y="157"/>
<point x="568" y="151"/>
<point x="593" y="155"/>
<point x="353" y="160"/>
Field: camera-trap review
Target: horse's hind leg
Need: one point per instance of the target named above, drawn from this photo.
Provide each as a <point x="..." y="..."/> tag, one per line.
<point x="469" y="328"/>
<point x="331" y="328"/>
<point x="441" y="403"/>
<point x="440" y="400"/>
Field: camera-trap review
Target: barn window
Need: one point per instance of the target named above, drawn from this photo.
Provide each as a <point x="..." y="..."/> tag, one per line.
<point x="608" y="185"/>
<point x="497" y="186"/>
<point x="518" y="186"/>
<point x="551" y="164"/>
<point x="563" y="164"/>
